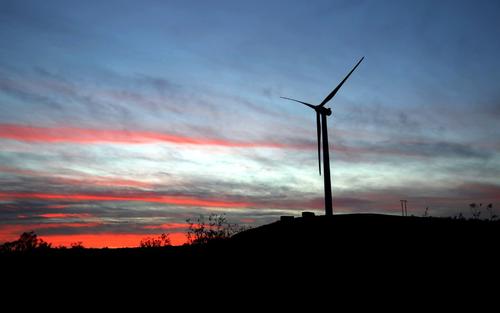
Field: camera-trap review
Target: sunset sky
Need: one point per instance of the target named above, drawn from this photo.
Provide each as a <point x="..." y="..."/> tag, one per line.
<point x="122" y="119"/>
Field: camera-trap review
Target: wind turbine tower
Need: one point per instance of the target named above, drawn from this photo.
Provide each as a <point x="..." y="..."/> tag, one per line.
<point x="322" y="131"/>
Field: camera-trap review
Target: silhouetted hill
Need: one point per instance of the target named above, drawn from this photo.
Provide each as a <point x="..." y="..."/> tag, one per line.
<point x="383" y="236"/>
<point x="360" y="244"/>
<point x="370" y="229"/>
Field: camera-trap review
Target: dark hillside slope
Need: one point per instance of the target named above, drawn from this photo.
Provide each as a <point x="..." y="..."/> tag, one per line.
<point x="377" y="237"/>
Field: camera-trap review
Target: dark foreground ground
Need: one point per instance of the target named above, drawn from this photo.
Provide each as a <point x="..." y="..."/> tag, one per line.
<point x="339" y="248"/>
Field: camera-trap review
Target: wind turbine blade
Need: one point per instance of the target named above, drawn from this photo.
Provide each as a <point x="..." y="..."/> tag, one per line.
<point x="334" y="92"/>
<point x="305" y="103"/>
<point x="318" y="128"/>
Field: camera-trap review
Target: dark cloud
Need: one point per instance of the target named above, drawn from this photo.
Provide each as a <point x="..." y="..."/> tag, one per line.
<point x="431" y="150"/>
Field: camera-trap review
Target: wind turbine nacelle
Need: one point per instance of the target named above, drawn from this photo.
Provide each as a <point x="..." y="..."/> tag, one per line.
<point x="323" y="110"/>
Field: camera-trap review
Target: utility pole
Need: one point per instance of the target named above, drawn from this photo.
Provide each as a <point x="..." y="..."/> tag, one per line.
<point x="404" y="210"/>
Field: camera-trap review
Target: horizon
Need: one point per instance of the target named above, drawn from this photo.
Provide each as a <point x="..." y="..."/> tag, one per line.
<point x="120" y="120"/>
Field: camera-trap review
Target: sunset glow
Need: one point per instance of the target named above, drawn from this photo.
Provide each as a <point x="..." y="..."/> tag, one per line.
<point x="108" y="240"/>
<point x="121" y="120"/>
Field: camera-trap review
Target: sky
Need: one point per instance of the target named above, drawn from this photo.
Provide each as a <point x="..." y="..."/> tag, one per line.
<point x="122" y="119"/>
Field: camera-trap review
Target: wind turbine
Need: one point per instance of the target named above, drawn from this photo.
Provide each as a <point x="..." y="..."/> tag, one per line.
<point x="321" y="128"/>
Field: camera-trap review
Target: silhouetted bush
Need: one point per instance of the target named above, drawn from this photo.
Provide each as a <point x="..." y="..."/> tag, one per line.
<point x="77" y="245"/>
<point x="489" y="208"/>
<point x="161" y="241"/>
<point x="217" y="228"/>
<point x="28" y="241"/>
<point x="475" y="210"/>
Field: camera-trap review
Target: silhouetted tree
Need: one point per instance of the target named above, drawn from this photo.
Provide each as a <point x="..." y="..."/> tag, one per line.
<point x="77" y="245"/>
<point x="28" y="241"/>
<point x="161" y="241"/>
<point x="217" y="228"/>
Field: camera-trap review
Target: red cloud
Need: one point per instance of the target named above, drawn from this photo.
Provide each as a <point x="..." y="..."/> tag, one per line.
<point x="89" y="136"/>
<point x="142" y="197"/>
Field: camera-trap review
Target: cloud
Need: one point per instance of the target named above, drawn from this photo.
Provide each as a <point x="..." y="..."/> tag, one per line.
<point x="168" y="226"/>
<point x="89" y="136"/>
<point x="427" y="149"/>
<point x="141" y="197"/>
<point x="81" y="178"/>
<point x="65" y="215"/>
